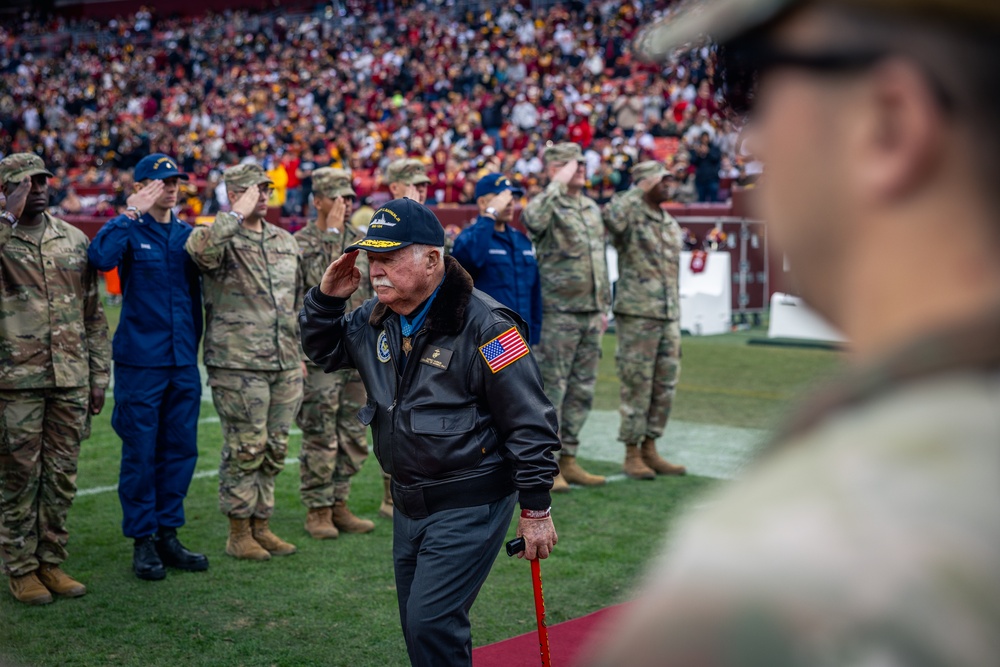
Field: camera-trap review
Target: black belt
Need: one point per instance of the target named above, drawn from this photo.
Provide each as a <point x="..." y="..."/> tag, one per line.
<point x="419" y="502"/>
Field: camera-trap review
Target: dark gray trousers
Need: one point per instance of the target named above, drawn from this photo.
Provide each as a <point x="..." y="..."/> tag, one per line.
<point x="441" y="562"/>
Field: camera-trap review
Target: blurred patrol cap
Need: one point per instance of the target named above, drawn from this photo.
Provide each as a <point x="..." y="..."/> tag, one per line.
<point x="494" y="184"/>
<point x="649" y="169"/>
<point x="723" y="20"/>
<point x="410" y="171"/>
<point x="563" y="152"/>
<point x="399" y="223"/>
<point x="157" y="167"/>
<point x="245" y="175"/>
<point x="332" y="183"/>
<point x="15" y="167"/>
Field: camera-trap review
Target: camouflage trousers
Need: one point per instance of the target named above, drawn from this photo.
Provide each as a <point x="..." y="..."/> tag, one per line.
<point x="256" y="409"/>
<point x="568" y="356"/>
<point x="40" y="435"/>
<point x="334" y="442"/>
<point x="648" y="362"/>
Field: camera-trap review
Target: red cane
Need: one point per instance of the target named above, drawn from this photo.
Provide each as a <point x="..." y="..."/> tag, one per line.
<point x="516" y="546"/>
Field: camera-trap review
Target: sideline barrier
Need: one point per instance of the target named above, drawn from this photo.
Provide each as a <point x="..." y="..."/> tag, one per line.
<point x="792" y="318"/>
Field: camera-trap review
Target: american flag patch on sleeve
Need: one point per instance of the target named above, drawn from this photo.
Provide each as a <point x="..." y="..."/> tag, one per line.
<point x="504" y="350"/>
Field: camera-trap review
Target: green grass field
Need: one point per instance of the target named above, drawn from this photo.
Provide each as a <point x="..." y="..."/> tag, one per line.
<point x="333" y="603"/>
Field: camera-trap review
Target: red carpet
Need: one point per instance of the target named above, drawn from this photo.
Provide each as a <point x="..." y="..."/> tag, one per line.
<point x="566" y="642"/>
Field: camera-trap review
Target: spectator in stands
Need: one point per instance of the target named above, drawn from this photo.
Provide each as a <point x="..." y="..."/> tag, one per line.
<point x="706" y="160"/>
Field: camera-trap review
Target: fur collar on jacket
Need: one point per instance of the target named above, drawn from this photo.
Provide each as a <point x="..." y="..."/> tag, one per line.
<point x="447" y="313"/>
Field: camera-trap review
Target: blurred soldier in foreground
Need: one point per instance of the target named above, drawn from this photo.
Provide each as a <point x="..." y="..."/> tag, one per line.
<point x="334" y="442"/>
<point x="54" y="368"/>
<point x="870" y="532"/>
<point x="568" y="233"/>
<point x="458" y="416"/>
<point x="252" y="277"/>
<point x="157" y="383"/>
<point x="647" y="315"/>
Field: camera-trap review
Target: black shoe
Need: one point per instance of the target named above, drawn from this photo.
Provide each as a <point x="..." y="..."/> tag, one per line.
<point x="174" y="554"/>
<point x="146" y="562"/>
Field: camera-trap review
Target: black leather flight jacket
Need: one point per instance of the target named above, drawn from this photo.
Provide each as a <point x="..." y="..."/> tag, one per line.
<point x="450" y="431"/>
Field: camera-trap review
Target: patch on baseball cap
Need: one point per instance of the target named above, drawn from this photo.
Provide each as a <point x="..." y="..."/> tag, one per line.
<point x="15" y="167"/>
<point x="157" y="167"/>
<point x="399" y="223"/>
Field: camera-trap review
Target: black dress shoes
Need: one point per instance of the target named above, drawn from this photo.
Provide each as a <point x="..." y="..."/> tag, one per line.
<point x="146" y="562"/>
<point x="174" y="554"/>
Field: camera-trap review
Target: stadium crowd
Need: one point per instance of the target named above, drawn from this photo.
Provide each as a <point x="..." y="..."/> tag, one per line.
<point x="468" y="93"/>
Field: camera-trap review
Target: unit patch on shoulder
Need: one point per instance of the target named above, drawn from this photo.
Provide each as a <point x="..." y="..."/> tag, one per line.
<point x="504" y="350"/>
<point x="382" y="347"/>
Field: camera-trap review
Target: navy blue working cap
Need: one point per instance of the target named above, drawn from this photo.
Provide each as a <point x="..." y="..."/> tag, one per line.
<point x="493" y="184"/>
<point x="399" y="223"/>
<point x="157" y="167"/>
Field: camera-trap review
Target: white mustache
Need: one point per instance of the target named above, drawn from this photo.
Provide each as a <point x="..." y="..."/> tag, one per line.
<point x="382" y="282"/>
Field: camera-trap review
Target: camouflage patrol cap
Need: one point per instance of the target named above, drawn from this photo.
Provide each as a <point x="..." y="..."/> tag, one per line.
<point x="563" y="152"/>
<point x="245" y="175"/>
<point x="15" y="167"/>
<point x="410" y="171"/>
<point x="723" y="20"/>
<point x="330" y="182"/>
<point x="649" y="169"/>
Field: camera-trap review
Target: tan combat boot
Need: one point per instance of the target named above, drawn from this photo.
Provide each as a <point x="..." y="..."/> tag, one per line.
<point x="29" y="590"/>
<point x="559" y="484"/>
<point x="318" y="524"/>
<point x="385" y="509"/>
<point x="634" y="466"/>
<point x="659" y="465"/>
<point x="265" y="538"/>
<point x="574" y="474"/>
<point x="59" y="582"/>
<point x="345" y="520"/>
<point x="241" y="543"/>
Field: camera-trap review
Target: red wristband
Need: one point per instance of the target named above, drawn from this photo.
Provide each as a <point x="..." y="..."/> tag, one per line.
<point x="536" y="514"/>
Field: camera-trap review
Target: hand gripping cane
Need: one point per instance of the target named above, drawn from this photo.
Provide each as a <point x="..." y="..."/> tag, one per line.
<point x="516" y="546"/>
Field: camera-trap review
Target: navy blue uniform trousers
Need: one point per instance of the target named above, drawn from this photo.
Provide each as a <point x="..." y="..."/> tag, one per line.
<point x="441" y="562"/>
<point x="156" y="416"/>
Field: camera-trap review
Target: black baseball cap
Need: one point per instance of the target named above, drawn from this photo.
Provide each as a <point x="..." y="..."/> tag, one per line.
<point x="399" y="223"/>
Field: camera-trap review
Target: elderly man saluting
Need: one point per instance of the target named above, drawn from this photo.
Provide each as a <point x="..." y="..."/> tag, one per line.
<point x="458" y="418"/>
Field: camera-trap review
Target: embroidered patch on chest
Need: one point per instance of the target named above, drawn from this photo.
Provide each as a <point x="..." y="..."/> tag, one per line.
<point x="382" y="347"/>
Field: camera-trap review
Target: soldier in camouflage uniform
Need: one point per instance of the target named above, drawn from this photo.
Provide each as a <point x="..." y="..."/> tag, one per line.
<point x="405" y="178"/>
<point x="54" y="368"/>
<point x="647" y="315"/>
<point x="334" y="442"/>
<point x="566" y="228"/>
<point x="400" y="175"/>
<point x="252" y="282"/>
<point x="869" y="534"/>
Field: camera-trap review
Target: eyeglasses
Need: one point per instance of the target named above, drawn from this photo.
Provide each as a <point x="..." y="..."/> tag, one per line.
<point x="744" y="61"/>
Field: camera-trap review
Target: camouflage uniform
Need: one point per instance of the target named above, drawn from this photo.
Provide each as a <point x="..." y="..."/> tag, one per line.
<point x="252" y="289"/>
<point x="873" y="526"/>
<point x="53" y="349"/>
<point x="334" y="441"/>
<point x="569" y="245"/>
<point x="646" y="308"/>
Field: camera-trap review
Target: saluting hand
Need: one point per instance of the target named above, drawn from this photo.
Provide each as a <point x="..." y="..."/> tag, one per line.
<point x="565" y="173"/>
<point x="341" y="278"/>
<point x="649" y="183"/>
<point x="146" y="196"/>
<point x="412" y="193"/>
<point x="502" y="200"/>
<point x="17" y="198"/>
<point x="247" y="202"/>
<point x="335" y="217"/>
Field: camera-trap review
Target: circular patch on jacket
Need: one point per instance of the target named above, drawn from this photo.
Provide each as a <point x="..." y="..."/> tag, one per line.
<point x="382" y="346"/>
